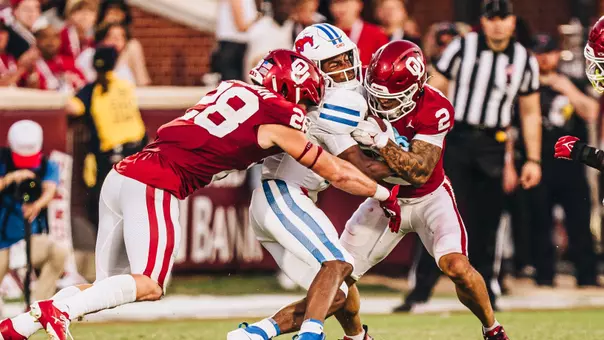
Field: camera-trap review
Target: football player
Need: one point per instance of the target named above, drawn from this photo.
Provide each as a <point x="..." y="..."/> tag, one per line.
<point x="283" y="213"/>
<point x="395" y="84"/>
<point x="230" y="128"/>
<point x="570" y="147"/>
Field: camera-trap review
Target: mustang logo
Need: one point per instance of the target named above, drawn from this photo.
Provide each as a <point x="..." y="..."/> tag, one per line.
<point x="301" y="43"/>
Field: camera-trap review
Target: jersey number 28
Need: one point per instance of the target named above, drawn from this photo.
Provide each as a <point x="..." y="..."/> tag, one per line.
<point x="228" y="108"/>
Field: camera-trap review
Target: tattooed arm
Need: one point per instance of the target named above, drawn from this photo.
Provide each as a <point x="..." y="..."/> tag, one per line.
<point x="415" y="166"/>
<point x="374" y="169"/>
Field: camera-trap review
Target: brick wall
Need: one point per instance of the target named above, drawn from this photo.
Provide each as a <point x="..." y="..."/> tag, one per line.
<point x="427" y="13"/>
<point x="176" y="54"/>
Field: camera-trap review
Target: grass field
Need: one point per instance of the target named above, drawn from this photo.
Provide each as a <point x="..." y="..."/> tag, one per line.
<point x="547" y="325"/>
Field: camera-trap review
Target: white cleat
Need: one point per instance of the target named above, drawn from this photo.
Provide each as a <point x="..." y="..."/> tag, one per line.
<point x="242" y="334"/>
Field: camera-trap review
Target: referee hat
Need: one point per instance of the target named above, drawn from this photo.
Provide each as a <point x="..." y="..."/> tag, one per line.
<point x="497" y="8"/>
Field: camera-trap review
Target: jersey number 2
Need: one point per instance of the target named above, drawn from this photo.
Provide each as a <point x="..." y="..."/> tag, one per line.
<point x="230" y="106"/>
<point x="443" y="119"/>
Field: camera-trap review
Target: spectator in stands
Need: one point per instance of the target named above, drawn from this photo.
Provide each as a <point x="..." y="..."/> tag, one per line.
<point x="438" y="38"/>
<point x="235" y="17"/>
<point x="54" y="11"/>
<point x="20" y="18"/>
<point x="279" y="28"/>
<point x="53" y="71"/>
<point x="393" y="16"/>
<point x="110" y="108"/>
<point x="28" y="182"/>
<point x="368" y="37"/>
<point x="306" y="14"/>
<point x="11" y="71"/>
<point x="115" y="35"/>
<point x="77" y="35"/>
<point x="117" y="11"/>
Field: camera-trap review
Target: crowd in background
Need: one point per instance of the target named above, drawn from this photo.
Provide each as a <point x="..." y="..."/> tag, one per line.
<point x="49" y="44"/>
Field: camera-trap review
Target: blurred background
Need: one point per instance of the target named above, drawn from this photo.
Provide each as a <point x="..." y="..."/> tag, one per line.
<point x="173" y="51"/>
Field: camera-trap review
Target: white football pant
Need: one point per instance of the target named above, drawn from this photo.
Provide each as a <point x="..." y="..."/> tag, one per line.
<point x="295" y="231"/>
<point x="433" y="217"/>
<point x="139" y="230"/>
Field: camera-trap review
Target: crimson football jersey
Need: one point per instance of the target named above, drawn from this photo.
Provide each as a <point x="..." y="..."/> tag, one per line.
<point x="216" y="136"/>
<point x="431" y="120"/>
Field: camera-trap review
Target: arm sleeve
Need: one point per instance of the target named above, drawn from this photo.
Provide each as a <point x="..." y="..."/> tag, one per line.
<point x="437" y="139"/>
<point x="52" y="173"/>
<point x="588" y="155"/>
<point x="530" y="80"/>
<point x="450" y="61"/>
<point x="335" y="144"/>
<point x="341" y="112"/>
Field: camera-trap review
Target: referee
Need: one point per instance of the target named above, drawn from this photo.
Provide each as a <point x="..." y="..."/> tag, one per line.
<point x="484" y="75"/>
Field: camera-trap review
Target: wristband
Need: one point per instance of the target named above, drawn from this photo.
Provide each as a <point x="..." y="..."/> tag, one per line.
<point x="577" y="153"/>
<point x="532" y="160"/>
<point x="381" y="193"/>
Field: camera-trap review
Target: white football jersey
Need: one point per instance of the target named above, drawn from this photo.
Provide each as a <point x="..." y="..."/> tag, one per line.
<point x="330" y="126"/>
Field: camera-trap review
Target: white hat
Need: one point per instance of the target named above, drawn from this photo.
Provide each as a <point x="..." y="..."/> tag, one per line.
<point x="25" y="138"/>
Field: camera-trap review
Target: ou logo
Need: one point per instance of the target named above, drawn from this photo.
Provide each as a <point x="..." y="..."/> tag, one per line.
<point x="300" y="71"/>
<point x="415" y="66"/>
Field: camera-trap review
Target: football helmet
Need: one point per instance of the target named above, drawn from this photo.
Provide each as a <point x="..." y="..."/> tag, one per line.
<point x="320" y="42"/>
<point x="291" y="75"/>
<point x="395" y="79"/>
<point x="594" y="56"/>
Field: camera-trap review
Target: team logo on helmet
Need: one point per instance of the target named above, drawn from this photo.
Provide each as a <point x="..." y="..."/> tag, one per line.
<point x="301" y="43"/>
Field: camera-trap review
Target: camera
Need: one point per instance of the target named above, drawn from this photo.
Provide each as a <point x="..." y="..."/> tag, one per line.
<point x="28" y="191"/>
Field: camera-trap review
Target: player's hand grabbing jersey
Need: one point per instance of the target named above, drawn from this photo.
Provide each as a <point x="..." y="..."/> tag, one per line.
<point x="217" y="135"/>
<point x="330" y="125"/>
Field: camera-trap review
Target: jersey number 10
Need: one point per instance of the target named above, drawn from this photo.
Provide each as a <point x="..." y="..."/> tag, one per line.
<point x="229" y="107"/>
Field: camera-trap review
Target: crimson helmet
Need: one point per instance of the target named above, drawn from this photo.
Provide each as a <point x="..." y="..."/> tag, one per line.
<point x="594" y="56"/>
<point x="396" y="73"/>
<point x="291" y="75"/>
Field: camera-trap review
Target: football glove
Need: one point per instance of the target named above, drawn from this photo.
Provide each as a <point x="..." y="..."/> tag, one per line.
<point x="564" y="147"/>
<point x="392" y="210"/>
<point x="369" y="133"/>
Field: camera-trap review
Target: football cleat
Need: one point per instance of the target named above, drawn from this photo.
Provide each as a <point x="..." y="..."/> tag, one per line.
<point x="8" y="332"/>
<point x="367" y="336"/>
<point x="497" y="334"/>
<point x="309" y="336"/>
<point x="247" y="332"/>
<point x="54" y="321"/>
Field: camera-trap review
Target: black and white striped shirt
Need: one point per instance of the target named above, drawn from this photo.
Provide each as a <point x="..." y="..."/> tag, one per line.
<point x="484" y="84"/>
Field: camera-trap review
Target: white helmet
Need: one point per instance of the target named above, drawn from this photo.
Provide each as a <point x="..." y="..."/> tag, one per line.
<point x="320" y="42"/>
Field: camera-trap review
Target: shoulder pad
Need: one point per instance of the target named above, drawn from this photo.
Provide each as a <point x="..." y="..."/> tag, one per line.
<point x="341" y="111"/>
